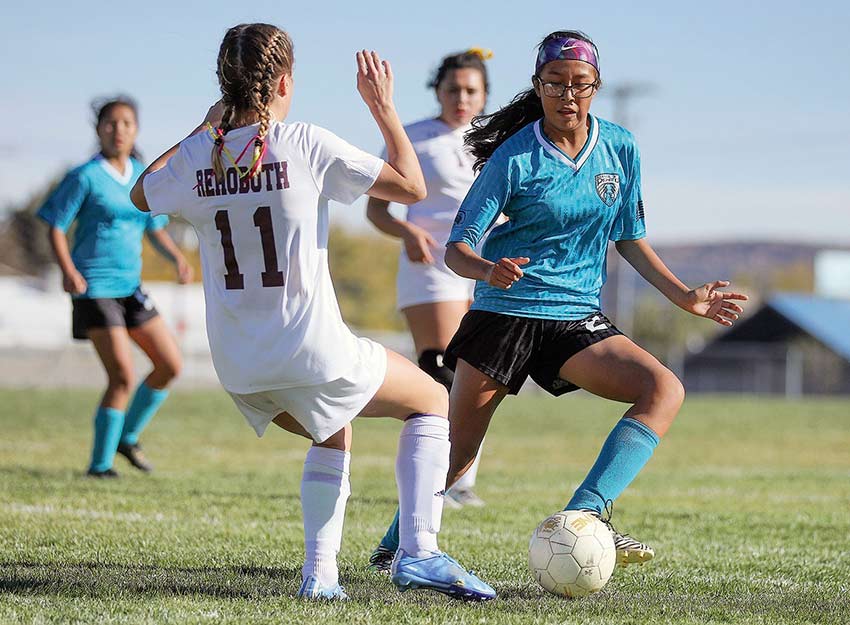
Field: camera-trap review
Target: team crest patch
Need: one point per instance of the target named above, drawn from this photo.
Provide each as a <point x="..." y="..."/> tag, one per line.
<point x="608" y="188"/>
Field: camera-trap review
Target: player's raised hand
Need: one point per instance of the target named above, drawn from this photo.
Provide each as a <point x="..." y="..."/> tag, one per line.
<point x="708" y="301"/>
<point x="74" y="283"/>
<point x="418" y="244"/>
<point x="374" y="80"/>
<point x="507" y="271"/>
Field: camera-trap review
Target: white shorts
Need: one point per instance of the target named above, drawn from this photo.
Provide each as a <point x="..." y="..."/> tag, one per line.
<point x="321" y="409"/>
<point x="418" y="283"/>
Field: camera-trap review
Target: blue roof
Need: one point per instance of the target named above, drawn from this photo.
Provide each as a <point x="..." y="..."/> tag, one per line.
<point x="824" y="318"/>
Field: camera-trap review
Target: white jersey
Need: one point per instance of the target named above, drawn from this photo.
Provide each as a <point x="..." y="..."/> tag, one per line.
<point x="447" y="167"/>
<point x="273" y="321"/>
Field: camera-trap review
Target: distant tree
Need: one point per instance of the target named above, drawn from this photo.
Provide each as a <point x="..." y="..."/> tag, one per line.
<point x="364" y="267"/>
<point x="23" y="236"/>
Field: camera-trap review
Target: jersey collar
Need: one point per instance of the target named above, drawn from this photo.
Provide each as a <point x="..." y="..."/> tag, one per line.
<point x="557" y="153"/>
<point x="122" y="179"/>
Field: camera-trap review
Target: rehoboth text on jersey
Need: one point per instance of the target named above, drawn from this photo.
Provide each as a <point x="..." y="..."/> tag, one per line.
<point x="271" y="177"/>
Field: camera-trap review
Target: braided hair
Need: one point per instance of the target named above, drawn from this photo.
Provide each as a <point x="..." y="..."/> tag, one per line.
<point x="251" y="60"/>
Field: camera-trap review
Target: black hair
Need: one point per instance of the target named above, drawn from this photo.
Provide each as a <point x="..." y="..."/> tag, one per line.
<point x="101" y="107"/>
<point x="460" y="60"/>
<point x="490" y="131"/>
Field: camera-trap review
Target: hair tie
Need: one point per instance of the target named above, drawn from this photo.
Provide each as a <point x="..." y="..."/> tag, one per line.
<point x="485" y="54"/>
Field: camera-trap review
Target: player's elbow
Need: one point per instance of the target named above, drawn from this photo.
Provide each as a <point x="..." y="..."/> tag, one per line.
<point x="452" y="257"/>
<point x="416" y="191"/>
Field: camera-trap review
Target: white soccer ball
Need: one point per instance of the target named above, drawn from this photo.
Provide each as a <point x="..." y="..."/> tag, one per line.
<point x="572" y="554"/>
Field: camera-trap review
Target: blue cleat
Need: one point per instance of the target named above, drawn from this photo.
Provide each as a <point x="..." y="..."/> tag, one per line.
<point x="312" y="589"/>
<point x="438" y="572"/>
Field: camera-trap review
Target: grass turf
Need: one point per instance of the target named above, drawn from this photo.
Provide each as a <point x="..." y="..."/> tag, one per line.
<point x="747" y="502"/>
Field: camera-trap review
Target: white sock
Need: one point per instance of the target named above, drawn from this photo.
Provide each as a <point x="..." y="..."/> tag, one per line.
<point x="467" y="481"/>
<point x="324" y="492"/>
<point x="420" y="469"/>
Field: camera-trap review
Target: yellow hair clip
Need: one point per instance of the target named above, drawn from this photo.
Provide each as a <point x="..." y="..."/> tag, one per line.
<point x="485" y="54"/>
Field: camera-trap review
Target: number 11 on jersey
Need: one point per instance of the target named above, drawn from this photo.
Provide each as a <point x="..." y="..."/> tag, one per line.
<point x="233" y="279"/>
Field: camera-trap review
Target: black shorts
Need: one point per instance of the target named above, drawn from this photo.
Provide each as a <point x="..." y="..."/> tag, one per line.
<point x="106" y="312"/>
<point x="509" y="349"/>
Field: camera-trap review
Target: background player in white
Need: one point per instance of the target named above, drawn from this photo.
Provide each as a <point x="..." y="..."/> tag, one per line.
<point x="278" y="341"/>
<point x="102" y="273"/>
<point x="433" y="298"/>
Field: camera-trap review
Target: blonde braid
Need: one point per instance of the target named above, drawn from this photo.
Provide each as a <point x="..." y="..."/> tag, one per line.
<point x="223" y="70"/>
<point x="226" y="126"/>
<point x="270" y="61"/>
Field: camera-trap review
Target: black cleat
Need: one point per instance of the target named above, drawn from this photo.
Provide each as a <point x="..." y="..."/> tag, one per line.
<point x="629" y="550"/>
<point x="380" y="560"/>
<point x="134" y="454"/>
<point x="108" y="474"/>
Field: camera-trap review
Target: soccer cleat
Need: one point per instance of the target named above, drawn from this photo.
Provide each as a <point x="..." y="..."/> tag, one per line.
<point x="134" y="454"/>
<point x="463" y="497"/>
<point x="629" y="550"/>
<point x="107" y="474"/>
<point x="449" y="503"/>
<point x="441" y="573"/>
<point x="381" y="560"/>
<point x="312" y="589"/>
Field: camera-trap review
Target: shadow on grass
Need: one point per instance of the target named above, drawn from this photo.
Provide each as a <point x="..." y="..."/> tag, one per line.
<point x="95" y="579"/>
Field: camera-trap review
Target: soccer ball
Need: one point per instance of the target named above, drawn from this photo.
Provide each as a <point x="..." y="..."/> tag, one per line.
<point x="572" y="554"/>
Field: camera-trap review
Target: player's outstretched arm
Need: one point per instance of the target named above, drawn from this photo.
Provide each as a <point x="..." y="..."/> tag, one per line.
<point x="401" y="179"/>
<point x="704" y="301"/>
<point x="463" y="260"/>
<point x="137" y="193"/>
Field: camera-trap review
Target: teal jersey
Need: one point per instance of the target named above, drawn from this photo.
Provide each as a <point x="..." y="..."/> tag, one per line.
<point x="107" y="246"/>
<point x="561" y="214"/>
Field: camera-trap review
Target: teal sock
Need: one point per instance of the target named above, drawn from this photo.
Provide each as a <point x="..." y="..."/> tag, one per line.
<point x="627" y="449"/>
<point x="107" y="430"/>
<point x="390" y="539"/>
<point x="145" y="403"/>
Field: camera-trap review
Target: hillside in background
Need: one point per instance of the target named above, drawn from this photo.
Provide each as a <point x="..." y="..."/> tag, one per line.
<point x="363" y="265"/>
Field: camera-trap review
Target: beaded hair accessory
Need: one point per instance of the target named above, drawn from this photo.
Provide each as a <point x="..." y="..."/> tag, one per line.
<point x="259" y="151"/>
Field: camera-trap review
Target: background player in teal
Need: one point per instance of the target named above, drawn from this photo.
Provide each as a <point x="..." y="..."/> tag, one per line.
<point x="102" y="272"/>
<point x="569" y="183"/>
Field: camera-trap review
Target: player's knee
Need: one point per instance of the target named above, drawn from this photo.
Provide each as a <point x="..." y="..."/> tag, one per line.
<point x="169" y="369"/>
<point x="669" y="390"/>
<point x="435" y="398"/>
<point x="340" y="441"/>
<point x="121" y="379"/>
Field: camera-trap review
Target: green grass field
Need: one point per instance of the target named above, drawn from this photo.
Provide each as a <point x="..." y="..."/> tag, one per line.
<point x="747" y="502"/>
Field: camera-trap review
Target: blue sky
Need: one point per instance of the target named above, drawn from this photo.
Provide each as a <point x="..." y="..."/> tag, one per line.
<point x="746" y="133"/>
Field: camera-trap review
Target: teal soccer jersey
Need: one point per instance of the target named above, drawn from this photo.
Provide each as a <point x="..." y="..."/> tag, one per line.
<point x="562" y="213"/>
<point x="107" y="247"/>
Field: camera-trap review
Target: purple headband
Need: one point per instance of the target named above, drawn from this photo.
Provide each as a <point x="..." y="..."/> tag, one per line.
<point x="567" y="49"/>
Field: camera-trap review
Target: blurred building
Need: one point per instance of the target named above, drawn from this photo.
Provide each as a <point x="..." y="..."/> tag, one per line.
<point x="796" y="344"/>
